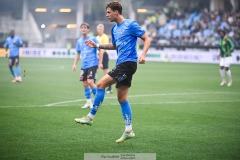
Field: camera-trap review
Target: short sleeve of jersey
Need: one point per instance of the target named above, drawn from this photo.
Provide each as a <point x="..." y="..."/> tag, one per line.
<point x="19" y="41"/>
<point x="113" y="38"/>
<point x="7" y="42"/>
<point x="136" y="29"/>
<point x="78" y="49"/>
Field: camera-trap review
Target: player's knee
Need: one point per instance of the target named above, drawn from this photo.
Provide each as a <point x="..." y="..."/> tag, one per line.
<point x="85" y="85"/>
<point x="122" y="99"/>
<point x="90" y="81"/>
<point x="10" y="65"/>
<point x="100" y="85"/>
<point x="221" y="67"/>
<point x="226" y="68"/>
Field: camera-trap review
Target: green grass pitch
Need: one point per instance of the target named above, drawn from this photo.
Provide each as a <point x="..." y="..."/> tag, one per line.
<point x="179" y="112"/>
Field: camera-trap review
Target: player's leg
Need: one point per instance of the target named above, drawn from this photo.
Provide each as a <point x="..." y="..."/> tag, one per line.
<point x="91" y="76"/>
<point x="105" y="81"/>
<point x="122" y="92"/>
<point x="222" y="72"/>
<point x="10" y="65"/>
<point x="87" y="93"/>
<point x="105" y="69"/>
<point x="87" y="90"/>
<point x="19" y="78"/>
<point x="123" y="85"/>
<point x="228" y="61"/>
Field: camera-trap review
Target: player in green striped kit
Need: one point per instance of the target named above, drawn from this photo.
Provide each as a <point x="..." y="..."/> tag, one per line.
<point x="226" y="48"/>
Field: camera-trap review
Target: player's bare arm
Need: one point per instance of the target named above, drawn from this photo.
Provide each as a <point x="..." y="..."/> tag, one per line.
<point x="6" y="53"/>
<point x="146" y="45"/>
<point x="109" y="46"/>
<point x="17" y="44"/>
<point x="74" y="67"/>
<point x="100" y="65"/>
<point x="92" y="44"/>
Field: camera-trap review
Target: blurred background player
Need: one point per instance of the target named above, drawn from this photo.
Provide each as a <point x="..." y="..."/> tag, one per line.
<point x="226" y="48"/>
<point x="14" y="43"/>
<point x="90" y="63"/>
<point x="103" y="39"/>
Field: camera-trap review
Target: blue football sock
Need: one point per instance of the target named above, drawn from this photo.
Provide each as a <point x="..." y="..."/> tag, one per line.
<point x="18" y="71"/>
<point x="94" y="90"/>
<point x="127" y="112"/>
<point x="99" y="97"/>
<point x="12" y="71"/>
<point x="87" y="93"/>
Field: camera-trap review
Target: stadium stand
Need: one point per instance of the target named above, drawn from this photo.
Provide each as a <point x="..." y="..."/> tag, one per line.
<point x="180" y="24"/>
<point x="196" y="28"/>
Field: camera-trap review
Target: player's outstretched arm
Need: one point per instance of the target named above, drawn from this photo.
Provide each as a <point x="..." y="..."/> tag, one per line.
<point x="109" y="46"/>
<point x="146" y="45"/>
<point x="91" y="43"/>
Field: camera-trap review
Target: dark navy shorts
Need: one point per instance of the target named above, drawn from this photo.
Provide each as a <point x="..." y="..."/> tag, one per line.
<point x="123" y="73"/>
<point x="13" y="61"/>
<point x="105" y="60"/>
<point x="89" y="73"/>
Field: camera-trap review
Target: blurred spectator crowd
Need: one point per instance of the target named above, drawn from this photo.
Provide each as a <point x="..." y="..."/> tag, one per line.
<point x="198" y="27"/>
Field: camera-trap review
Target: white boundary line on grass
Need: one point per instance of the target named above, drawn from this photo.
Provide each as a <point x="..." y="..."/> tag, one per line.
<point x="144" y="95"/>
<point x="178" y="102"/>
<point x="116" y="104"/>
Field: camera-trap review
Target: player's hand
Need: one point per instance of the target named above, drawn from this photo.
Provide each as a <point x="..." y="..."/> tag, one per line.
<point x="142" y="59"/>
<point x="74" y="67"/>
<point x="91" y="43"/>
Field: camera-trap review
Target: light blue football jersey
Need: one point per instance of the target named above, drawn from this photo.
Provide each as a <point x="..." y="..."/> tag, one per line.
<point x="124" y="36"/>
<point x="89" y="56"/>
<point x="14" y="50"/>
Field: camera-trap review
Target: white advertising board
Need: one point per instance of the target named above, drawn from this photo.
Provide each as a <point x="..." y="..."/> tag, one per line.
<point x="166" y="55"/>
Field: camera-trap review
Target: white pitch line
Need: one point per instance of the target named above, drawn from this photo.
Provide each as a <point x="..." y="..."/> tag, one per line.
<point x="146" y="95"/>
<point x="71" y="101"/>
<point x="144" y="103"/>
<point x="177" y="102"/>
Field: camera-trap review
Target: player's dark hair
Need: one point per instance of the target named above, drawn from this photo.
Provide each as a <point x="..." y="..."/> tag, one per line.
<point x="221" y="30"/>
<point x="85" y="24"/>
<point x="115" y="6"/>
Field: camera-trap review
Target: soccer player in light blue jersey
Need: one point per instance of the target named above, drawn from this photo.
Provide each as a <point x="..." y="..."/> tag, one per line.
<point x="14" y="43"/>
<point x="124" y="37"/>
<point x="90" y="63"/>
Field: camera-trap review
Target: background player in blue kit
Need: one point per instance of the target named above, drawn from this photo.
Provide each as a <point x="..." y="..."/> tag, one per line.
<point x="90" y="63"/>
<point x="14" y="43"/>
<point x="124" y="37"/>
